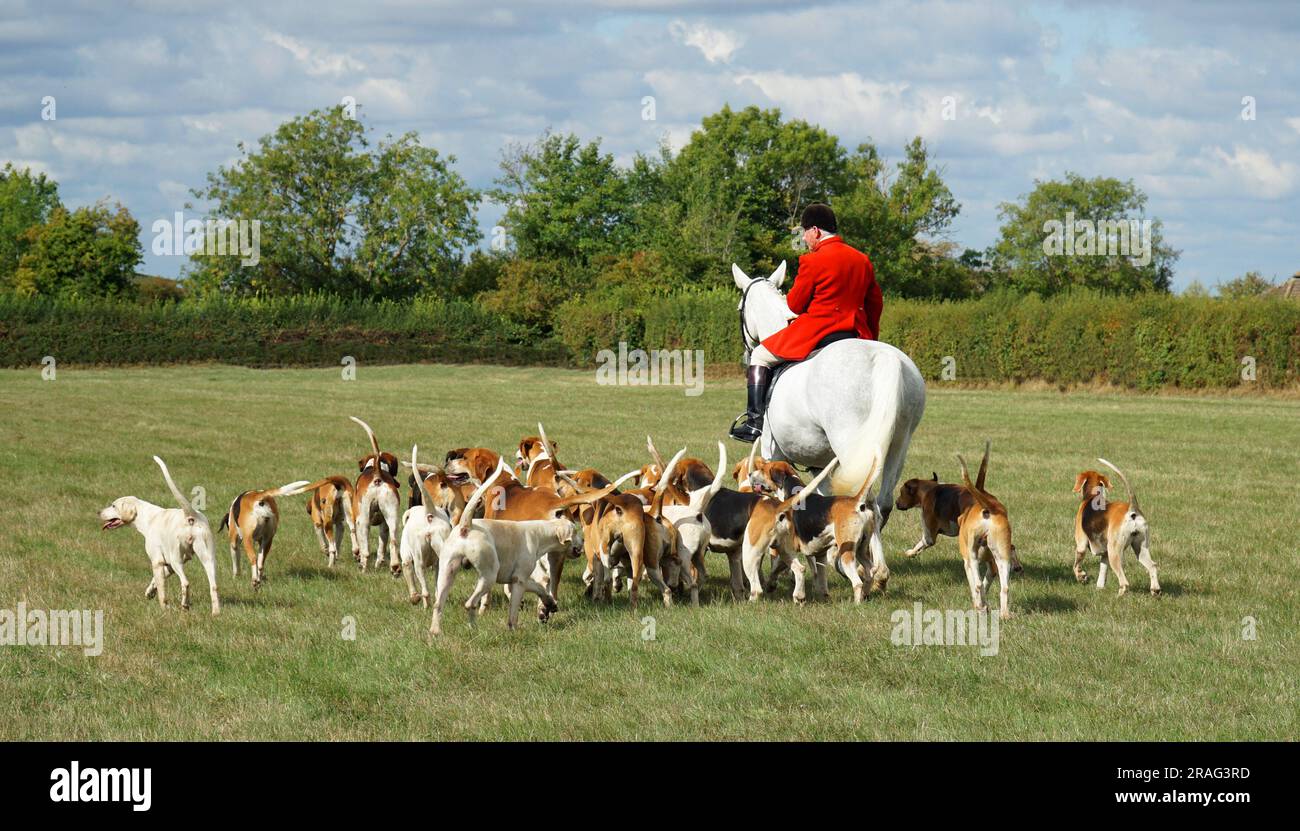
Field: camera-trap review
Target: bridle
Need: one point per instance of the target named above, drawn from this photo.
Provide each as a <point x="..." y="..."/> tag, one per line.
<point x="745" y="337"/>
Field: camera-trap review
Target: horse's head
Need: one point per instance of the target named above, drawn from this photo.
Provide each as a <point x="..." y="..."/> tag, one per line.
<point x="763" y="310"/>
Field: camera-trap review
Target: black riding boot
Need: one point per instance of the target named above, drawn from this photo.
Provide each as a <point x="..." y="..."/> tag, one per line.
<point x="749" y="426"/>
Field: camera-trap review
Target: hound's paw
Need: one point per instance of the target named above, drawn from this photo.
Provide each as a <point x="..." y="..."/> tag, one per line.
<point x="1156" y="592"/>
<point x="1005" y="614"/>
<point x="1123" y="590"/>
<point x="414" y="598"/>
<point x="1081" y="576"/>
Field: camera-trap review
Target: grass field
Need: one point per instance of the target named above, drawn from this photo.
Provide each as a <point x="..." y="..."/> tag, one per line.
<point x="1216" y="477"/>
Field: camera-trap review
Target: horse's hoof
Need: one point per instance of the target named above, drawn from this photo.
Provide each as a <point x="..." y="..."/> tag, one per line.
<point x="1156" y="592"/>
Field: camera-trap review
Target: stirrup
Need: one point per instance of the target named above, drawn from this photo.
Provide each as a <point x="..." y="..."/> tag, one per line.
<point x="744" y="429"/>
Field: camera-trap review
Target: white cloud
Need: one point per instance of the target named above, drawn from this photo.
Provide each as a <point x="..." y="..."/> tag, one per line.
<point x="315" y="61"/>
<point x="715" y="44"/>
<point x="1256" y="169"/>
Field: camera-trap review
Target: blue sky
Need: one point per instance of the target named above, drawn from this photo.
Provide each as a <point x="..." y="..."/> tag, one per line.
<point x="151" y="96"/>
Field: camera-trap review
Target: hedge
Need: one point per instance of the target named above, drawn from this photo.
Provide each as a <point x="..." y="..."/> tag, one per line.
<point x="1143" y="342"/>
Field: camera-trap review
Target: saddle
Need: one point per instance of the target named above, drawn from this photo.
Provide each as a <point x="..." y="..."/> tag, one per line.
<point x="780" y="368"/>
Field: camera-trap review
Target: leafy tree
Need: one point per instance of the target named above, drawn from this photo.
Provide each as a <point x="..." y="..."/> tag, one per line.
<point x="529" y="291"/>
<point x="338" y="217"/>
<point x="740" y="184"/>
<point x="89" y="252"/>
<point x="564" y="200"/>
<point x="26" y="201"/>
<point x="1033" y="251"/>
<point x="1250" y="284"/>
<point x="1196" y="289"/>
<point x="900" y="219"/>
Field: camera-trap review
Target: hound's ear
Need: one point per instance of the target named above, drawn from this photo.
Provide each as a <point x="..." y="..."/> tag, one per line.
<point x="361" y="464"/>
<point x="587" y="515"/>
<point x="778" y="276"/>
<point x="1105" y="483"/>
<point x="741" y="278"/>
<point x="735" y="471"/>
<point x="1078" y="483"/>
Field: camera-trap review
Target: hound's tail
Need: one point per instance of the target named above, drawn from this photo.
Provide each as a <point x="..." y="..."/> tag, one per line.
<point x="864" y="494"/>
<point x="584" y="497"/>
<point x="467" y="513"/>
<point x="812" y="486"/>
<point x="657" y="504"/>
<point x="1132" y="497"/>
<point x="374" y="443"/>
<point x="415" y="468"/>
<point x="877" y="434"/>
<point x="700" y="499"/>
<point x="176" y="492"/>
<point x="291" y="489"/>
<point x="976" y="492"/>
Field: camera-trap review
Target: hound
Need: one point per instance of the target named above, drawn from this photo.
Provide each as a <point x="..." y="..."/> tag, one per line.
<point x="941" y="508"/>
<point x="849" y="526"/>
<point x="375" y="500"/>
<point x="435" y="488"/>
<point x="424" y="529"/>
<point x="253" y="518"/>
<point x="509" y="499"/>
<point x="330" y="507"/>
<point x="686" y="571"/>
<point x="534" y="466"/>
<point x="770" y="526"/>
<point x="632" y="533"/>
<point x="171" y="537"/>
<point x="1107" y="528"/>
<point x="742" y="470"/>
<point x="984" y="539"/>
<point x="500" y="551"/>
<point x="687" y="475"/>
<point x="472" y="465"/>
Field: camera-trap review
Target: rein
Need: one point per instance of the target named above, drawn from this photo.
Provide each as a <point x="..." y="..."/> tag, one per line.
<point x="745" y="336"/>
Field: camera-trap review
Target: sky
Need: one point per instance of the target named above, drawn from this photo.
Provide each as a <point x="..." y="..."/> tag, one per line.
<point x="1197" y="102"/>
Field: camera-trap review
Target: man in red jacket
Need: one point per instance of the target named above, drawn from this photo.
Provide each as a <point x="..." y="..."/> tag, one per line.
<point x="835" y="296"/>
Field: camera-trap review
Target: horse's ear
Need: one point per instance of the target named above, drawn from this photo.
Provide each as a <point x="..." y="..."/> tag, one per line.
<point x="778" y="276"/>
<point x="741" y="278"/>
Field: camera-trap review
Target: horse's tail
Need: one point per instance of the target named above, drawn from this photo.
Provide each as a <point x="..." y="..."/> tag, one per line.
<point x="877" y="435"/>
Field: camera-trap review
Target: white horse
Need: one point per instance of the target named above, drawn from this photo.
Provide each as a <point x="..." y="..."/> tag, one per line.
<point x="852" y="400"/>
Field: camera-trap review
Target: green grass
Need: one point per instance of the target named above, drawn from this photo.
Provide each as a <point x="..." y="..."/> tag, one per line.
<point x="1216" y="478"/>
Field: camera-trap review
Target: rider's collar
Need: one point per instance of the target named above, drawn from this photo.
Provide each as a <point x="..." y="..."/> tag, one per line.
<point x="825" y="239"/>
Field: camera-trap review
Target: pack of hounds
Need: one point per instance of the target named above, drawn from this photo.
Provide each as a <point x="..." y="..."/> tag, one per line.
<point x="516" y="526"/>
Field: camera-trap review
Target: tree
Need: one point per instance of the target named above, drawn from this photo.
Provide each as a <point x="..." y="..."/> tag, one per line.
<point x="900" y="220"/>
<point x="1250" y="284"/>
<point x="89" y="252"/>
<point x="1082" y="232"/>
<point x="564" y="200"/>
<point x="337" y="217"/>
<point x="25" y="202"/>
<point x="737" y="188"/>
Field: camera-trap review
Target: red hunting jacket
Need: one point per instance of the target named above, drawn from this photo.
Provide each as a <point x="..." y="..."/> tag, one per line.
<point x="835" y="291"/>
